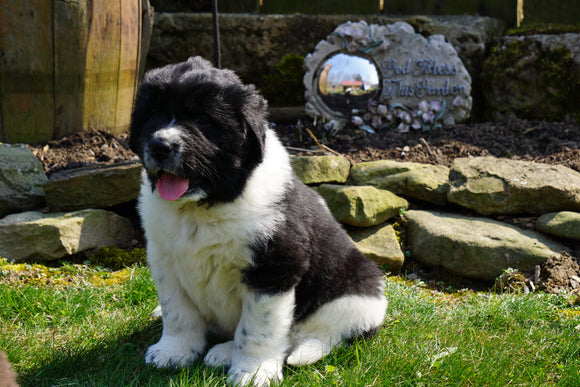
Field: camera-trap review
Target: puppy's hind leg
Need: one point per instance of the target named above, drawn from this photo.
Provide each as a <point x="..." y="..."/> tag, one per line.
<point x="310" y="350"/>
<point x="341" y="319"/>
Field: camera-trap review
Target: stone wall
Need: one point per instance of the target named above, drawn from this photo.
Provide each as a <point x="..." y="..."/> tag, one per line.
<point x="252" y="45"/>
<point x="536" y="76"/>
<point x="267" y="50"/>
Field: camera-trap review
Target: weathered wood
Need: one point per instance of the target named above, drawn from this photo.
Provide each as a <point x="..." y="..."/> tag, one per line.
<point x="147" y="16"/>
<point x="102" y="75"/>
<point x="70" y="58"/>
<point x="26" y="68"/>
<point x="69" y="65"/>
<point x="130" y="33"/>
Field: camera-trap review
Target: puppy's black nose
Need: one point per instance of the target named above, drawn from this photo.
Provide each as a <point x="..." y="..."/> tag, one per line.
<point x="160" y="149"/>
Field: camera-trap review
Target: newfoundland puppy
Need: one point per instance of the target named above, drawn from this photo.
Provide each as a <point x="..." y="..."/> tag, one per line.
<point x="236" y="244"/>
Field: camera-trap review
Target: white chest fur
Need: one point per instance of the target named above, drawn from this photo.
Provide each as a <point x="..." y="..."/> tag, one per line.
<point x="206" y="256"/>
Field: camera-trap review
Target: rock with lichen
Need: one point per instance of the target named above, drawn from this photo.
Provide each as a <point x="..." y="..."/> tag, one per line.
<point x="34" y="235"/>
<point x="535" y="76"/>
<point x="363" y="206"/>
<point x="425" y="182"/>
<point x="475" y="247"/>
<point x="321" y="169"/>
<point x="564" y="224"/>
<point x="21" y="179"/>
<point x="492" y="185"/>
<point x="379" y="244"/>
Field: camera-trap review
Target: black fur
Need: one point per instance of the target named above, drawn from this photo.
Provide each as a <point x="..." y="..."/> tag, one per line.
<point x="312" y="253"/>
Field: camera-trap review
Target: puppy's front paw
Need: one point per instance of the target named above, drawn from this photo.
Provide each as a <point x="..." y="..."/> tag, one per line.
<point x="171" y="352"/>
<point x="269" y="371"/>
<point x="220" y="355"/>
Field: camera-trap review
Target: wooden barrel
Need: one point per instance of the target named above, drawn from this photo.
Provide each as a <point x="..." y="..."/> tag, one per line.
<point x="69" y="65"/>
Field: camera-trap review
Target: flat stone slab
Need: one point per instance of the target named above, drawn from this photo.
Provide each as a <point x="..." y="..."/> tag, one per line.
<point x="362" y="206"/>
<point x="491" y="185"/>
<point x="379" y="244"/>
<point x="21" y="179"/>
<point x="35" y="235"/>
<point x="93" y="187"/>
<point x="321" y="169"/>
<point x="425" y="182"/>
<point x="565" y="224"/>
<point x="475" y="247"/>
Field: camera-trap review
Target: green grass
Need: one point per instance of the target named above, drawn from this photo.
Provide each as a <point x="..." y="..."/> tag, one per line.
<point x="83" y="325"/>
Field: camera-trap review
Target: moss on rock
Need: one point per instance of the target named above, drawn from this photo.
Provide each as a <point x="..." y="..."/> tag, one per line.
<point x="283" y="86"/>
<point x="526" y="77"/>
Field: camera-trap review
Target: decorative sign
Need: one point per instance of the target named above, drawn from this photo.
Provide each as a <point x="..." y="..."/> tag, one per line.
<point x="379" y="77"/>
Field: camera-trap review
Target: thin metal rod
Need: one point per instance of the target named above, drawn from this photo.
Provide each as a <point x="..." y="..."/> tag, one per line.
<point x="216" y="36"/>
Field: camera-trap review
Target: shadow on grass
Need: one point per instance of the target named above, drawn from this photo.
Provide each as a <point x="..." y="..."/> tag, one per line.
<point x="117" y="360"/>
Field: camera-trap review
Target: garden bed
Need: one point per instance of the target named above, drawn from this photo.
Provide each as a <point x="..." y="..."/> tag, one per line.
<point x="540" y="141"/>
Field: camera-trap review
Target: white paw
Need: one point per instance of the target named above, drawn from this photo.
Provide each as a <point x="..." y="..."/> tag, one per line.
<point x="266" y="372"/>
<point x="308" y="352"/>
<point x="219" y="355"/>
<point x="171" y="352"/>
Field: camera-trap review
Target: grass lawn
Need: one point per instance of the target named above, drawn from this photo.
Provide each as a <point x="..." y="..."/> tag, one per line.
<point x="85" y="325"/>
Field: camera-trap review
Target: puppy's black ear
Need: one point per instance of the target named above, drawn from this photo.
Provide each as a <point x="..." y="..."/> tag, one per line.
<point x="138" y="117"/>
<point x="255" y="116"/>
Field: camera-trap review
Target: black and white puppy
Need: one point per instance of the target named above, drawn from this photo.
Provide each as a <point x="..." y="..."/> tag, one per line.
<point x="235" y="242"/>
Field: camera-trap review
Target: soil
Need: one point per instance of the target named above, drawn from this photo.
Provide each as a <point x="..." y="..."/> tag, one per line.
<point x="517" y="139"/>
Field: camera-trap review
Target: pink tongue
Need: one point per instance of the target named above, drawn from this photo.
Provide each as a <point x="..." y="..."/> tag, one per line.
<point x="171" y="187"/>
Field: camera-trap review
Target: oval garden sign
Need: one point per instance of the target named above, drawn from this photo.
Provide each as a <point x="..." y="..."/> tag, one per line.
<point x="388" y="76"/>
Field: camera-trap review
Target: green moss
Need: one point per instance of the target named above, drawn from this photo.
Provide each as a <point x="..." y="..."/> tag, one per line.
<point x="525" y="69"/>
<point x="543" y="28"/>
<point x="61" y="275"/>
<point x="283" y="86"/>
<point x="400" y="227"/>
<point x="115" y="258"/>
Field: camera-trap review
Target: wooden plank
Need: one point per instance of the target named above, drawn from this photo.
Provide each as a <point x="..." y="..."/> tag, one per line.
<point x="128" y="63"/>
<point x="70" y="41"/>
<point x="147" y="16"/>
<point x="26" y="70"/>
<point x="102" y="64"/>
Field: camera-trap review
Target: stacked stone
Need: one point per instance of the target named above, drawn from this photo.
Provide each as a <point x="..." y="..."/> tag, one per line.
<point x="475" y="246"/>
<point x="460" y="231"/>
<point x="74" y="204"/>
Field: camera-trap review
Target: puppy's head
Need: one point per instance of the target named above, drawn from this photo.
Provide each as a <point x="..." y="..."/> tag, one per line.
<point x="198" y="131"/>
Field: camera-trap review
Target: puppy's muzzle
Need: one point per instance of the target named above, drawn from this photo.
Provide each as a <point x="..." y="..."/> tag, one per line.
<point x="163" y="151"/>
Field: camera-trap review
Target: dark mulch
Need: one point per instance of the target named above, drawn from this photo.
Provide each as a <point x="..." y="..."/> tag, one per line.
<point x="541" y="141"/>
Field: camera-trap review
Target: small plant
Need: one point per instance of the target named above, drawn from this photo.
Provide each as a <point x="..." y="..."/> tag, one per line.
<point x="283" y="86"/>
<point x="510" y="281"/>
